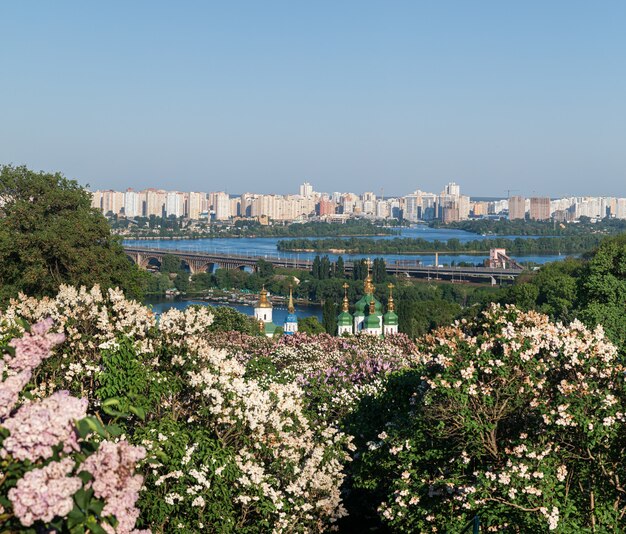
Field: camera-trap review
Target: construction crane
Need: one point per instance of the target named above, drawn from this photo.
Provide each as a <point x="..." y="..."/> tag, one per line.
<point x="508" y="192"/>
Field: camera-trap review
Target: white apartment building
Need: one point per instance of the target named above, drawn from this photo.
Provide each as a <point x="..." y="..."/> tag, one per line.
<point x="174" y="204"/>
<point x="221" y="206"/>
<point x="133" y="203"/>
<point x="306" y="190"/>
<point x="195" y="205"/>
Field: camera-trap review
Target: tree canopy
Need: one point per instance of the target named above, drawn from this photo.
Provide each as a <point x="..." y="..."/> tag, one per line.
<point x="50" y="235"/>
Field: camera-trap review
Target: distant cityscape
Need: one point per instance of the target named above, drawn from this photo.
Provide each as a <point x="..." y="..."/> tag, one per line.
<point x="447" y="206"/>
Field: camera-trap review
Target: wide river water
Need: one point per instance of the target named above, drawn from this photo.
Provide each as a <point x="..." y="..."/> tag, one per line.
<point x="266" y="247"/>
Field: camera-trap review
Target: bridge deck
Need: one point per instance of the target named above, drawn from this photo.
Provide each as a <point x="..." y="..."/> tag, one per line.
<point x="393" y="267"/>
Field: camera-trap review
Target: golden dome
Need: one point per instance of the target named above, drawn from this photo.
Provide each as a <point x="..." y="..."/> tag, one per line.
<point x="263" y="302"/>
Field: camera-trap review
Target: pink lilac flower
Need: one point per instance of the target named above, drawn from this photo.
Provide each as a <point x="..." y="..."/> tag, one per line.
<point x="115" y="481"/>
<point x="42" y="494"/>
<point x="10" y="390"/>
<point x="40" y="425"/>
<point x="33" y="347"/>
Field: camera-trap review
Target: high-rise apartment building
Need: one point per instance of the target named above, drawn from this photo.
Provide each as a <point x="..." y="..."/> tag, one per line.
<point x="96" y="200"/>
<point x="194" y="205"/>
<point x="133" y="203"/>
<point x="540" y="208"/>
<point x="448" y="206"/>
<point x="326" y="207"/>
<point x="155" y="202"/>
<point x="221" y="206"/>
<point x="306" y="190"/>
<point x="620" y="208"/>
<point x="452" y="189"/>
<point x="112" y="202"/>
<point x="479" y="209"/>
<point x="174" y="204"/>
<point x="517" y="208"/>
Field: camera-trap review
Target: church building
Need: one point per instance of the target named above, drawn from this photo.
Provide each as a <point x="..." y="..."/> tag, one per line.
<point x="368" y="315"/>
<point x="263" y="314"/>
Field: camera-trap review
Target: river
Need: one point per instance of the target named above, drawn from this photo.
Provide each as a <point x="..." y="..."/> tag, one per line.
<point x="279" y="313"/>
<point x="265" y="247"/>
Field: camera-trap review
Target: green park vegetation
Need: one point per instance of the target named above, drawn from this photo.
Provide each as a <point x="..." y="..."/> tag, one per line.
<point x="49" y="235"/>
<point x="573" y="244"/>
<point x="523" y="227"/>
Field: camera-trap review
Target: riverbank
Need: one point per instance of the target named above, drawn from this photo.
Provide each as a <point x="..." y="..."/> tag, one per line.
<point x="574" y="244"/>
<point x="280" y="312"/>
<point x="406" y="253"/>
<point x="247" y="236"/>
<point x="232" y="296"/>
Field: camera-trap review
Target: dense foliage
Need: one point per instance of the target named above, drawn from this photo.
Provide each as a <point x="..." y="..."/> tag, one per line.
<point x="592" y="289"/>
<point x="49" y="235"/>
<point x="506" y="227"/>
<point x="573" y="244"/>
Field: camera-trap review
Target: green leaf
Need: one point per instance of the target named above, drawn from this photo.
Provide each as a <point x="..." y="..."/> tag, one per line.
<point x="114" y="430"/>
<point x="96" y="507"/>
<point x="115" y="413"/>
<point x="95" y="527"/>
<point x="85" y="476"/>
<point x="138" y="411"/>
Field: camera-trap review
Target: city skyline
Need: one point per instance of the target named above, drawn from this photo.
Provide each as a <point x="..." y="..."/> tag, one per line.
<point x="449" y="205"/>
<point x="368" y="94"/>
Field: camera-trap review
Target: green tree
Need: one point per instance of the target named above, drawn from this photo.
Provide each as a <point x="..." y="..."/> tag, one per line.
<point x="202" y="281"/>
<point x="227" y="319"/>
<point x="379" y="271"/>
<point x="264" y="268"/>
<point x="170" y="264"/>
<point x="310" y="325"/>
<point x="329" y="317"/>
<point x="340" y="268"/>
<point x="315" y="271"/>
<point x="50" y="235"/>
<point x="181" y="282"/>
<point x="325" y="268"/>
<point x="603" y="289"/>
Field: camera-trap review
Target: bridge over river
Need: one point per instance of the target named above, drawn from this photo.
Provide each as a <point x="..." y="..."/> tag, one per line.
<point x="198" y="262"/>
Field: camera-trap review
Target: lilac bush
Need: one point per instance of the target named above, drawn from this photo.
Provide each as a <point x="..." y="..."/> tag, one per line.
<point x="48" y="484"/>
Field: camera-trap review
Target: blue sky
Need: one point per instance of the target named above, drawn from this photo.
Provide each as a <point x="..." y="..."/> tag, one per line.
<point x="348" y="95"/>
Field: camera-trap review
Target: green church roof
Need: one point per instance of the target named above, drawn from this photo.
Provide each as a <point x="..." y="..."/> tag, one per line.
<point x="344" y="319"/>
<point x="270" y="328"/>
<point x="364" y="302"/>
<point x="390" y="318"/>
<point x="372" y="321"/>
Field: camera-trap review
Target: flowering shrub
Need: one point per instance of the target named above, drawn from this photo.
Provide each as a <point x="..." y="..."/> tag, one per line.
<point x="508" y="416"/>
<point x="50" y="459"/>
<point x="274" y="468"/>
<point x="228" y="449"/>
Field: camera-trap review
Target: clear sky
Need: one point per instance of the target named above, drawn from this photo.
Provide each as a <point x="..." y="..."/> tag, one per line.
<point x="349" y="95"/>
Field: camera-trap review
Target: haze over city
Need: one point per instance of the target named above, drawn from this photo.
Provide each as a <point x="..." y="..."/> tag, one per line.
<point x="351" y="96"/>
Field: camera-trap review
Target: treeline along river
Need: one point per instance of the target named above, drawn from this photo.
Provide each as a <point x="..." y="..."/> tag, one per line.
<point x="575" y="244"/>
